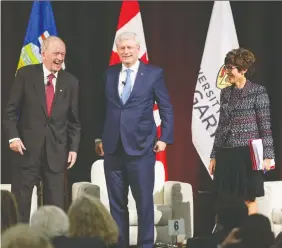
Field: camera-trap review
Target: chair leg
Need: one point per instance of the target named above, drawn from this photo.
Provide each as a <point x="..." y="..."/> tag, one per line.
<point x="66" y="191"/>
<point x="39" y="193"/>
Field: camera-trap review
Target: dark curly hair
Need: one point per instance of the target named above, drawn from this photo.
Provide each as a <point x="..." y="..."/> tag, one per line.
<point x="242" y="58"/>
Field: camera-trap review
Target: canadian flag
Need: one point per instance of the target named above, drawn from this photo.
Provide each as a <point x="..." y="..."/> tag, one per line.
<point x="130" y="21"/>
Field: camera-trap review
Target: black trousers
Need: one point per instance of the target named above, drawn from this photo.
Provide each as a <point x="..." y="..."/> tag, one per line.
<point x="24" y="178"/>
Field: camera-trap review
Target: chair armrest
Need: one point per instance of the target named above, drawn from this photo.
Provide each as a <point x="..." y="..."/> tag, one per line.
<point x="179" y="196"/>
<point x="80" y="188"/>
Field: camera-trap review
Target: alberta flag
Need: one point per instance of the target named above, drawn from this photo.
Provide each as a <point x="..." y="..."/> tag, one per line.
<point x="41" y="25"/>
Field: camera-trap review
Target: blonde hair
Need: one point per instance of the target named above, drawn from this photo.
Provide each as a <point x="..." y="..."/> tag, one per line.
<point x="88" y="217"/>
<point x="22" y="236"/>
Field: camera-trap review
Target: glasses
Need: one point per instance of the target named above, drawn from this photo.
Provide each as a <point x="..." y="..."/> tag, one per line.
<point x="230" y="67"/>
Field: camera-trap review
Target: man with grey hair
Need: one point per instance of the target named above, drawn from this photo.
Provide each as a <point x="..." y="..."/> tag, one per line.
<point x="127" y="137"/>
<point x="51" y="221"/>
<point x="42" y="125"/>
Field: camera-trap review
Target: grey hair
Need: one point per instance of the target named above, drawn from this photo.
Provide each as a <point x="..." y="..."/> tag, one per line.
<point x="51" y="221"/>
<point x="46" y="42"/>
<point x="127" y="36"/>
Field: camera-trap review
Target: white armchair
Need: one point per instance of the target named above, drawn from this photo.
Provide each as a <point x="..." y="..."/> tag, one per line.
<point x="270" y="205"/>
<point x="172" y="200"/>
<point x="34" y="204"/>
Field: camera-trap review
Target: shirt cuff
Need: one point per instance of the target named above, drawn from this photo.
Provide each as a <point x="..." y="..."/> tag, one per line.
<point x="13" y="139"/>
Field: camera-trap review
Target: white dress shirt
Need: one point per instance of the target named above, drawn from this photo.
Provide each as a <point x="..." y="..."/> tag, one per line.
<point x="123" y="74"/>
<point x="46" y="73"/>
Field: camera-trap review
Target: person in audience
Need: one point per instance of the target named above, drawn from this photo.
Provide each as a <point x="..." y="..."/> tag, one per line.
<point x="244" y="115"/>
<point x="22" y="236"/>
<point x="255" y="232"/>
<point x="90" y="218"/>
<point x="51" y="221"/>
<point x="231" y="213"/>
<point x="9" y="210"/>
<point x="91" y="225"/>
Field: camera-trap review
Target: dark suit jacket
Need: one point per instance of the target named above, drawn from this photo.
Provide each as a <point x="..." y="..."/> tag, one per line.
<point x="134" y="122"/>
<point x="26" y="117"/>
<point x="248" y="119"/>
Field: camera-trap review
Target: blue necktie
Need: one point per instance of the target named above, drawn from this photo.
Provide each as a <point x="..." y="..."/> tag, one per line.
<point x="127" y="87"/>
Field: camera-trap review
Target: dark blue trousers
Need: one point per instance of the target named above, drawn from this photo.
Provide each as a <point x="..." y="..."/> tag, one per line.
<point x="138" y="172"/>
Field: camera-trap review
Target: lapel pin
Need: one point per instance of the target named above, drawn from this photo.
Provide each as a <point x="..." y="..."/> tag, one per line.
<point x="61" y="90"/>
<point x="142" y="74"/>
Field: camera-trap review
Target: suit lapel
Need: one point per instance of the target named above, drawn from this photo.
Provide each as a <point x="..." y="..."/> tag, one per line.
<point x="138" y="80"/>
<point x="115" y="82"/>
<point x="40" y="87"/>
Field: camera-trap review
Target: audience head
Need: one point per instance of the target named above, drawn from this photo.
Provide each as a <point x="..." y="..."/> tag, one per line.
<point x="9" y="210"/>
<point x="256" y="232"/>
<point x="231" y="212"/>
<point x="89" y="218"/>
<point x="22" y="236"/>
<point x="51" y="221"/>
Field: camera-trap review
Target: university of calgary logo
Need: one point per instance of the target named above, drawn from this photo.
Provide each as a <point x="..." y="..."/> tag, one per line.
<point x="221" y="78"/>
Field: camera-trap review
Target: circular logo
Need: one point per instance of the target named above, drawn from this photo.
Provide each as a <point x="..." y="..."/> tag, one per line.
<point x="221" y="80"/>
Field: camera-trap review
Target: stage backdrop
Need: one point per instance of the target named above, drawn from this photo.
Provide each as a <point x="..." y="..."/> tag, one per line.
<point x="175" y="34"/>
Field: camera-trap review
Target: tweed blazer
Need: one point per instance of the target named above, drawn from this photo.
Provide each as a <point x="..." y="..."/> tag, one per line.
<point x="248" y="119"/>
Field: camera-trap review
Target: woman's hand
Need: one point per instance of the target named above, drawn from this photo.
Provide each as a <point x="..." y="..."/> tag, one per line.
<point x="212" y="166"/>
<point x="266" y="164"/>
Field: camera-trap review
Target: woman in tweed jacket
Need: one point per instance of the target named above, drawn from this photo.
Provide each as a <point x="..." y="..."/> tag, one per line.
<point x="244" y="115"/>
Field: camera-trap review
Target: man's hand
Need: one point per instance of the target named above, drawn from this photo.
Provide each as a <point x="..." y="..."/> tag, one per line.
<point x="99" y="148"/>
<point x="160" y="146"/>
<point x="266" y="164"/>
<point x="17" y="146"/>
<point x="72" y="159"/>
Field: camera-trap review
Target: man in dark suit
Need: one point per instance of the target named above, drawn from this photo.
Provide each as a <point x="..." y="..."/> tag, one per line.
<point x="128" y="133"/>
<point x="42" y="125"/>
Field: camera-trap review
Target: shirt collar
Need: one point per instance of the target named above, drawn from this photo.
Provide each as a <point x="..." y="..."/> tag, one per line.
<point x="47" y="72"/>
<point x="134" y="68"/>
